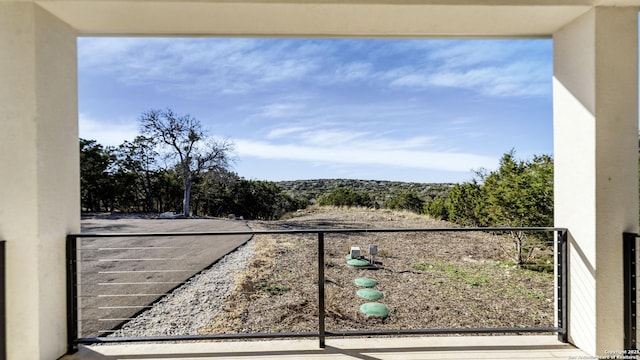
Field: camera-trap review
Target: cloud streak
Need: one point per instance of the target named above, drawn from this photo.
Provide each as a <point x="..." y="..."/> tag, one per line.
<point x="243" y="66"/>
<point x="458" y="162"/>
<point x="338" y="145"/>
<point x="106" y="133"/>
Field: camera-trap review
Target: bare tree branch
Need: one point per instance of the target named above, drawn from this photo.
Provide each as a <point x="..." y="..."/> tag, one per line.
<point x="185" y="139"/>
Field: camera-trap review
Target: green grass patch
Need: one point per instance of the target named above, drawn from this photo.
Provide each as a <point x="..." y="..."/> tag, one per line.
<point x="473" y="276"/>
<point x="273" y="289"/>
<point x="530" y="293"/>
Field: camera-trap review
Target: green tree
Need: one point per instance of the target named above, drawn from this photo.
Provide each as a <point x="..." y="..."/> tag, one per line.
<point x="135" y="174"/>
<point x="96" y="162"/>
<point x="437" y="208"/>
<point x="168" y="191"/>
<point x="139" y="158"/>
<point x="345" y="197"/>
<point x="258" y="200"/>
<point x="518" y="194"/>
<point x="196" y="152"/>
<point x="406" y="201"/>
<point x="464" y="202"/>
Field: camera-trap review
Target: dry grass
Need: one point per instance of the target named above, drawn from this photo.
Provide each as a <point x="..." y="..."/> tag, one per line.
<point x="429" y="280"/>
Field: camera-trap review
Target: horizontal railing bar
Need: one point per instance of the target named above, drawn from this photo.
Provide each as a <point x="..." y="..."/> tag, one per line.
<point x="314" y="334"/>
<point x="444" y="331"/>
<point x="141" y="248"/>
<point x="125" y="307"/>
<point x="148" y="259"/>
<point x="315" y="231"/>
<point x="126" y="295"/>
<point x="132" y="248"/>
<point x="139" y="271"/>
<point x="194" y="337"/>
<point x="137" y="283"/>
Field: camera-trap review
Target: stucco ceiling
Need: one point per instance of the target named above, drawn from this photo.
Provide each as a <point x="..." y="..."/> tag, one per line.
<point x="373" y="18"/>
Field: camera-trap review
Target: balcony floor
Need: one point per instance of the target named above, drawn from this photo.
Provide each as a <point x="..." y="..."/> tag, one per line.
<point x="423" y="348"/>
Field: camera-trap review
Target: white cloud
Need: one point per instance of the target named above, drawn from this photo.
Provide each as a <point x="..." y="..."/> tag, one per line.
<point x="279" y="110"/>
<point x="334" y="145"/>
<point x="285" y="131"/>
<point x="330" y="137"/>
<point x="459" y="162"/>
<point x="107" y="133"/>
<point x="219" y="65"/>
<point x="333" y="135"/>
<point x="409" y="143"/>
<point x="521" y="79"/>
<point x="496" y="68"/>
<point x="238" y="66"/>
<point x="458" y="54"/>
<point x="354" y="71"/>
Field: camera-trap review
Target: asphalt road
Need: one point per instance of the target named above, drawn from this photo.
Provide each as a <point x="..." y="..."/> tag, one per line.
<point x="122" y="276"/>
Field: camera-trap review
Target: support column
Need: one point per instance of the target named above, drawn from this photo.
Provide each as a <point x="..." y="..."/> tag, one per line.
<point x="595" y="96"/>
<point x="39" y="179"/>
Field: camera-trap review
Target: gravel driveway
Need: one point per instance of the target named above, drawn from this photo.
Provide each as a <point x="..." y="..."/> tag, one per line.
<point x="123" y="276"/>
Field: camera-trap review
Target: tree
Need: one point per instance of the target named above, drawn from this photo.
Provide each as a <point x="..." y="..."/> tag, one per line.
<point x="519" y="194"/>
<point x="406" y="201"/>
<point x="135" y="174"/>
<point x="187" y="142"/>
<point x="262" y="200"/>
<point x="345" y="197"/>
<point x="96" y="183"/>
<point x="464" y="202"/>
<point x="437" y="208"/>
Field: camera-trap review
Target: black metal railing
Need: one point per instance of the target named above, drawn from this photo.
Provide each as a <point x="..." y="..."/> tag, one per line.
<point x="629" y="273"/>
<point x="73" y="259"/>
<point x="3" y="301"/>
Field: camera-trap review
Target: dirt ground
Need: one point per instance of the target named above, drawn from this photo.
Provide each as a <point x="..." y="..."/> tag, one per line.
<point x="428" y="280"/>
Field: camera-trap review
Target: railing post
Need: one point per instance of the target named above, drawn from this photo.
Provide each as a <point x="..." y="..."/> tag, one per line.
<point x="629" y="264"/>
<point x="562" y="290"/>
<point x="72" y="294"/>
<point x="321" y="310"/>
<point x="3" y="302"/>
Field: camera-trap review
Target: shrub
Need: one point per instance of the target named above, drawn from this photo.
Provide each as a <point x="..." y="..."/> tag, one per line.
<point x="345" y="197"/>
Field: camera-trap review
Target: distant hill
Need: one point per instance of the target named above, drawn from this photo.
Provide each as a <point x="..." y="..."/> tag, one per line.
<point x="378" y="190"/>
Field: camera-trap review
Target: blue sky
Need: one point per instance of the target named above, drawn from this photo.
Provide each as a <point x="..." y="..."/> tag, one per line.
<point x="403" y="110"/>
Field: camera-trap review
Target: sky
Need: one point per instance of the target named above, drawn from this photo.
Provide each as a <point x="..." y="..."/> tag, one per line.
<point x="400" y="110"/>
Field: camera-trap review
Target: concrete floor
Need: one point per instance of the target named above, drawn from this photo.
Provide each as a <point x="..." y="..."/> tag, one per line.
<point x="423" y="348"/>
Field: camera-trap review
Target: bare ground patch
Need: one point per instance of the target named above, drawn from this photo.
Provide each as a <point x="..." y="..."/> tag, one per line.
<point x="429" y="280"/>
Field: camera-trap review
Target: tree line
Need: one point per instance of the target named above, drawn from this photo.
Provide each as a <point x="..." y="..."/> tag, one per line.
<point x="174" y="166"/>
<point x="518" y="194"/>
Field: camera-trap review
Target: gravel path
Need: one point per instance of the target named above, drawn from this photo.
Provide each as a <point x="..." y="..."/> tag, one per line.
<point x="194" y="304"/>
<point x="119" y="276"/>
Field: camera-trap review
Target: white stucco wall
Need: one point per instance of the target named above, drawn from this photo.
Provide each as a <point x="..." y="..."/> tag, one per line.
<point x="596" y="171"/>
<point x="39" y="178"/>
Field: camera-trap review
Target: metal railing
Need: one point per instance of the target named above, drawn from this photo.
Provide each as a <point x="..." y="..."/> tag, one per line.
<point x="560" y="271"/>
<point x="3" y="302"/>
<point x="629" y="273"/>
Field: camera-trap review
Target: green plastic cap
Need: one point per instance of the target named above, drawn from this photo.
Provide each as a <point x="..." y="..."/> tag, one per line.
<point x="375" y="309"/>
<point x="365" y="282"/>
<point x="369" y="294"/>
<point x="357" y="263"/>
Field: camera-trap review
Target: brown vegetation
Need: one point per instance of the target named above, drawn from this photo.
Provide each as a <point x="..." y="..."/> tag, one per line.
<point x="429" y="280"/>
